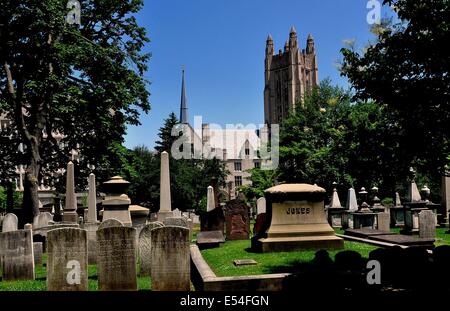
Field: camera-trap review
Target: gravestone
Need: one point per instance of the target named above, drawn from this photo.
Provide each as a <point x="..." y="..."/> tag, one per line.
<point x="116" y="259"/>
<point x="111" y="222"/>
<point x="42" y="220"/>
<point x="383" y="220"/>
<point x="145" y="243"/>
<point x="92" y="200"/>
<point x="170" y="259"/>
<point x="10" y="222"/>
<point x="237" y="220"/>
<point x="91" y="229"/>
<point x="176" y="221"/>
<point x="38" y="250"/>
<point x="427" y="224"/>
<point x="16" y="251"/>
<point x="70" y="209"/>
<point x="67" y="261"/>
<point x="176" y="213"/>
<point x="260" y="215"/>
<point x="165" y="205"/>
<point x="210" y="239"/>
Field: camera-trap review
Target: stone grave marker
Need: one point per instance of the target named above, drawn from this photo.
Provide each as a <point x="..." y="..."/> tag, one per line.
<point x="244" y="262"/>
<point x="383" y="220"/>
<point x="210" y="239"/>
<point x="116" y="259"/>
<point x="427" y="224"/>
<point x="145" y="243"/>
<point x="42" y="220"/>
<point x="170" y="264"/>
<point x="237" y="220"/>
<point x="260" y="215"/>
<point x="38" y="250"/>
<point x="10" y="222"/>
<point x="16" y="251"/>
<point x="67" y="263"/>
<point x="111" y="222"/>
<point x="176" y="221"/>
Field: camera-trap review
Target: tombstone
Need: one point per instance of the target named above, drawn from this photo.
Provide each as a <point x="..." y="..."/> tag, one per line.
<point x="176" y="221"/>
<point x="335" y="210"/>
<point x="67" y="261"/>
<point x="16" y="251"/>
<point x="352" y="204"/>
<point x="383" y="221"/>
<point x="145" y="247"/>
<point x="42" y="220"/>
<point x="427" y="224"/>
<point x="91" y="229"/>
<point x="116" y="259"/>
<point x="111" y="222"/>
<point x="92" y="200"/>
<point x="170" y="253"/>
<point x="297" y="220"/>
<point x="176" y="213"/>
<point x="70" y="214"/>
<point x="10" y="222"/>
<point x="445" y="209"/>
<point x="210" y="239"/>
<point x="237" y="220"/>
<point x="37" y="250"/>
<point x="165" y="206"/>
<point x="210" y="199"/>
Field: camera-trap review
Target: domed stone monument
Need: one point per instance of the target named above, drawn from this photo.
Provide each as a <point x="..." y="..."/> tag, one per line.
<point x="296" y="220"/>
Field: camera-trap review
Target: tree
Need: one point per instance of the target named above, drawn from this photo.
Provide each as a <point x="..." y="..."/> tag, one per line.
<point x="407" y="69"/>
<point x="85" y="81"/>
<point x="260" y="181"/>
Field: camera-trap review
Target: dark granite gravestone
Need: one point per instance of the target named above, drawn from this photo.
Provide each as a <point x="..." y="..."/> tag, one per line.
<point x="210" y="239"/>
<point x="213" y="220"/>
<point x="259" y="224"/>
<point x="237" y="220"/>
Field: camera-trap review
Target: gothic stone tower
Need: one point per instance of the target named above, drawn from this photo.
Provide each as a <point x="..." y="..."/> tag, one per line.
<point x="288" y="76"/>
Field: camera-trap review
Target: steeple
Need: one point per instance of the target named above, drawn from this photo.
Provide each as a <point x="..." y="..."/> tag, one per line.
<point x="183" y="106"/>
<point x="310" y="49"/>
<point x="293" y="39"/>
<point x="269" y="46"/>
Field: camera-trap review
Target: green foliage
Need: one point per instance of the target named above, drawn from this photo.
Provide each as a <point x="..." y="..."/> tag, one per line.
<point x="407" y="69"/>
<point x="2" y="198"/>
<point x="260" y="181"/>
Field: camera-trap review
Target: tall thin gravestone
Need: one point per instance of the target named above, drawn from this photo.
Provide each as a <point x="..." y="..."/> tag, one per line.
<point x="170" y="259"/>
<point x="67" y="263"/>
<point x="70" y="209"/>
<point x="427" y="224"/>
<point x="260" y="215"/>
<point x="92" y="200"/>
<point x="10" y="223"/>
<point x="165" y="206"/>
<point x="116" y="259"/>
<point x="16" y="251"/>
<point x="145" y="243"/>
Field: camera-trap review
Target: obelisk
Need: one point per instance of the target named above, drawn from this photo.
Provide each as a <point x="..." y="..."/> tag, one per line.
<point x="70" y="209"/>
<point x="165" y="205"/>
<point x="92" y="200"/>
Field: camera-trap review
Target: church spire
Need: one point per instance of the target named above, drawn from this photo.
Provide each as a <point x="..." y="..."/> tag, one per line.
<point x="183" y="106"/>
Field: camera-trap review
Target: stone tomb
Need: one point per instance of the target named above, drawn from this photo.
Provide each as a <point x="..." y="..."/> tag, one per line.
<point x="237" y="220"/>
<point x="170" y="264"/>
<point x="67" y="263"/>
<point x="296" y="220"/>
<point x="145" y="243"/>
<point x="10" y="222"/>
<point x="16" y="252"/>
<point x="116" y="259"/>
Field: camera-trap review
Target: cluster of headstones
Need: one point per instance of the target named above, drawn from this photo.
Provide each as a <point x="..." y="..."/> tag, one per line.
<point x="161" y="249"/>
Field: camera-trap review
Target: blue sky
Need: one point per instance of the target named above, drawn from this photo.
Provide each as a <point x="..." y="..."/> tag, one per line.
<point x="221" y="43"/>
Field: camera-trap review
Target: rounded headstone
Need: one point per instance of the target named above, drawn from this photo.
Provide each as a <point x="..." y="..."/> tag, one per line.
<point x="145" y="247"/>
<point x="10" y="222"/>
<point x="111" y="222"/>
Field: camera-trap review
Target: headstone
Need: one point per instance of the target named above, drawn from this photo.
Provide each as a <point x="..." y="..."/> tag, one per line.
<point x="16" y="251"/>
<point x="237" y="220"/>
<point x="67" y="261"/>
<point x="383" y="220"/>
<point x="210" y="239"/>
<point x="170" y="253"/>
<point x="413" y="193"/>
<point x="70" y="214"/>
<point x="38" y="250"/>
<point x="10" y="222"/>
<point x="261" y="206"/>
<point x="145" y="243"/>
<point x="176" y="221"/>
<point x="111" y="222"/>
<point x="42" y="220"/>
<point x="446" y="197"/>
<point x="176" y="213"/>
<point x="352" y="204"/>
<point x="165" y="206"/>
<point x="210" y="201"/>
<point x="92" y="200"/>
<point x="398" y="202"/>
<point x="427" y="224"/>
<point x="91" y="233"/>
<point x="116" y="259"/>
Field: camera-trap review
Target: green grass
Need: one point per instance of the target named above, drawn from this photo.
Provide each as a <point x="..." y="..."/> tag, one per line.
<point x="221" y="259"/>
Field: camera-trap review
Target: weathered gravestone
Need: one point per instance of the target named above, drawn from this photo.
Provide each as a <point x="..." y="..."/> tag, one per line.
<point x="427" y="224"/>
<point x="91" y="229"/>
<point x="237" y="220"/>
<point x="170" y="255"/>
<point x="260" y="215"/>
<point x="145" y="243"/>
<point x="213" y="219"/>
<point x="10" y="222"/>
<point x="111" y="222"/>
<point x="67" y="261"/>
<point x="383" y="220"/>
<point x="176" y="221"/>
<point x="210" y="239"/>
<point x="116" y="259"/>
<point x="42" y="220"/>
<point x="16" y="251"/>
<point x="37" y="249"/>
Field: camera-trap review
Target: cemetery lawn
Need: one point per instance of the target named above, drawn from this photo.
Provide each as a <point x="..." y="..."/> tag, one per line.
<point x="221" y="259"/>
<point x="40" y="283"/>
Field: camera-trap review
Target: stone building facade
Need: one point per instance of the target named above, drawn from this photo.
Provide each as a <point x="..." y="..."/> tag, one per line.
<point x="289" y="75"/>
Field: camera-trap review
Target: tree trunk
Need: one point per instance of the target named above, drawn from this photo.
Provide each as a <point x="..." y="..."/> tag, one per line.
<point x="9" y="197"/>
<point x="30" y="205"/>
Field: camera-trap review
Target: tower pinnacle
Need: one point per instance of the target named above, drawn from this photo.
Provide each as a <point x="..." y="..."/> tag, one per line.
<point x="183" y="106"/>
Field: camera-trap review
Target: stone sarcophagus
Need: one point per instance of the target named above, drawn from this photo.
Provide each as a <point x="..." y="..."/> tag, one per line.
<point x="295" y="220"/>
